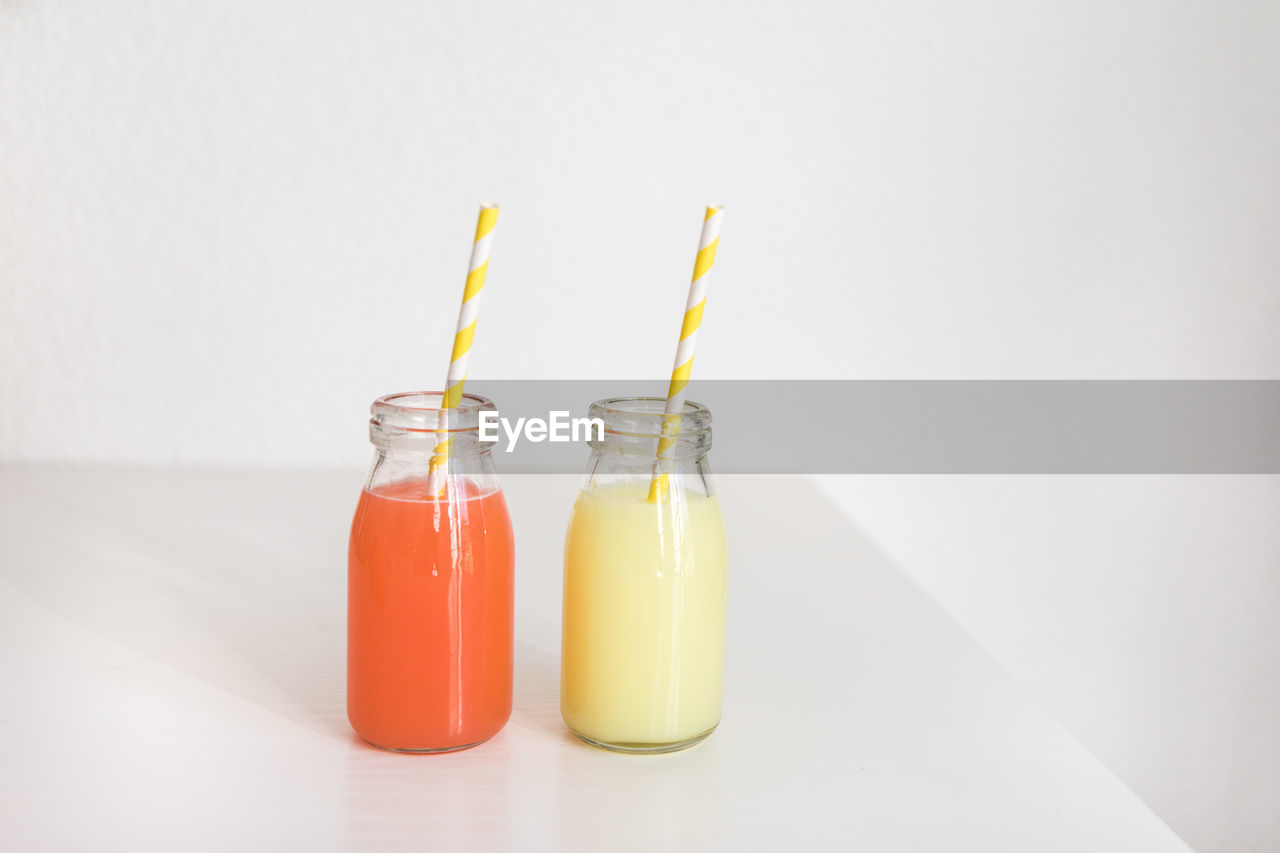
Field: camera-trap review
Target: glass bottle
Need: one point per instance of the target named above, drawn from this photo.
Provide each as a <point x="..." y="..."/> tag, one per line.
<point x="645" y="581"/>
<point x="430" y="583"/>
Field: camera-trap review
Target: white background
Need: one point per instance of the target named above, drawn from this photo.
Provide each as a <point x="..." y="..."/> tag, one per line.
<point x="224" y="228"/>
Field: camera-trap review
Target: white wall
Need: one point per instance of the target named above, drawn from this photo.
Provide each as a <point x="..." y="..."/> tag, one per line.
<point x="225" y="227"/>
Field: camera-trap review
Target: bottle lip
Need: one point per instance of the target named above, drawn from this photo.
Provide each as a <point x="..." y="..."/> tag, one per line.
<point x="644" y="416"/>
<point x="420" y="412"/>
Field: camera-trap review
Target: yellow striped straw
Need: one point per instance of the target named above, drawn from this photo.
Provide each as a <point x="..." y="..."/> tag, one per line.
<point x="468" y="314"/>
<point x="661" y="482"/>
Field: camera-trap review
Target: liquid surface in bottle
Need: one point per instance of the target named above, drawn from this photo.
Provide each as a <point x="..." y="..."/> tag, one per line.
<point x="429" y="617"/>
<point x="644" y="616"/>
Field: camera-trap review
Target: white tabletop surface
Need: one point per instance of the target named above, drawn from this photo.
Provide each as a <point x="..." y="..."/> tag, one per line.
<point x="171" y="677"/>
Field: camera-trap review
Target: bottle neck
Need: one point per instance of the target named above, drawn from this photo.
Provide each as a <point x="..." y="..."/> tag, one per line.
<point x="412" y="435"/>
<point x="472" y="474"/>
<point x="641" y="427"/>
<point x="640" y="456"/>
<point x="640" y="440"/>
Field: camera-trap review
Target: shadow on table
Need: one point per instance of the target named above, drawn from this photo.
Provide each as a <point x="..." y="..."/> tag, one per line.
<point x="238" y="580"/>
<point x="537" y="692"/>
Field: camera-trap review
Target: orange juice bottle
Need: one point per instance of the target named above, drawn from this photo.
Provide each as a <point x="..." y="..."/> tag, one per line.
<point x="430" y="581"/>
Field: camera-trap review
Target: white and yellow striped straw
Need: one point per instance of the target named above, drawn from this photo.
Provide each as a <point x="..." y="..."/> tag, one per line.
<point x="661" y="482"/>
<point x="468" y="314"/>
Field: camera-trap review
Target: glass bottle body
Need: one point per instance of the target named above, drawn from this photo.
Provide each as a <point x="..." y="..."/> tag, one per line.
<point x="430" y="584"/>
<point x="645" y="588"/>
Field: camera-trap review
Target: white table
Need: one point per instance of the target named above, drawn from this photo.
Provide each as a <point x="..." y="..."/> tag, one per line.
<point x="171" y="668"/>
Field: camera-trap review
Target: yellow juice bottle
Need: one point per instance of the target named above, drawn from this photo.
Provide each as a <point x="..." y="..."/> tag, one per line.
<point x="645" y="585"/>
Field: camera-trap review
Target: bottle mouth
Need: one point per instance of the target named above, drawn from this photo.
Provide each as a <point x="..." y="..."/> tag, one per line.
<point x="643" y="417"/>
<point x="408" y="419"/>
<point x="633" y="425"/>
<point x="420" y="411"/>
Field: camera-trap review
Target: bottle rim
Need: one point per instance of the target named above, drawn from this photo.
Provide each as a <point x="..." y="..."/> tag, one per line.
<point x="644" y="417"/>
<point x="421" y="412"/>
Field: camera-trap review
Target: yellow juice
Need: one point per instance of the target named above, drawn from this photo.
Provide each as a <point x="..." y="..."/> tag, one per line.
<point x="642" y="665"/>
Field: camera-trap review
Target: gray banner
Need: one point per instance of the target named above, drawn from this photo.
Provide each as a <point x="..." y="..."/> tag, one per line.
<point x="937" y="427"/>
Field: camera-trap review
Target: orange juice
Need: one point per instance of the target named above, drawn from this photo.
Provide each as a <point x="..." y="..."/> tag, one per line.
<point x="429" y="619"/>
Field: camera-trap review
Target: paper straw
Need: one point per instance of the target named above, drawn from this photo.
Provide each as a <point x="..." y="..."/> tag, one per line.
<point x="468" y="314"/>
<point x="661" y="482"/>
